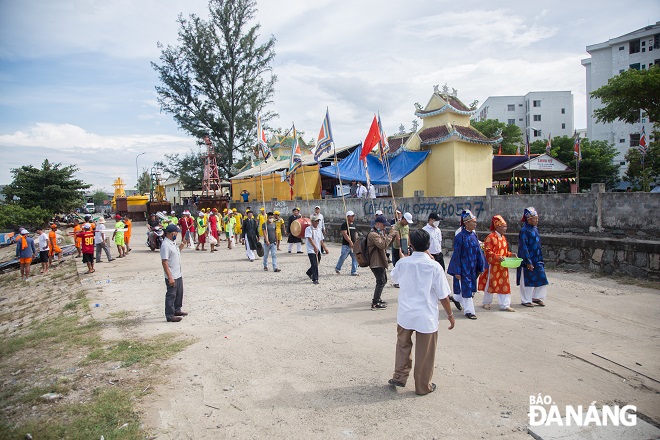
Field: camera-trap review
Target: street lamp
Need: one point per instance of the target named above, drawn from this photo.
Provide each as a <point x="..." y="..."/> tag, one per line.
<point x="137" y="173"/>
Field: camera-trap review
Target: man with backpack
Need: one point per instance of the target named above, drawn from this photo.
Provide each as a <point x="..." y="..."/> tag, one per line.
<point x="377" y="242"/>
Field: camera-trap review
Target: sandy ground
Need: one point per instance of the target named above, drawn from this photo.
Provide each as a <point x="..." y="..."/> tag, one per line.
<point x="278" y="357"/>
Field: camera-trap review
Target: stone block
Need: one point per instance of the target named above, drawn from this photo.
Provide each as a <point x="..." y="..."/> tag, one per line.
<point x="608" y="256"/>
<point x="641" y="259"/>
<point x="620" y="255"/>
<point x="654" y="261"/>
<point x="574" y="255"/>
<point x="597" y="256"/>
<point x="608" y="269"/>
<point x="634" y="271"/>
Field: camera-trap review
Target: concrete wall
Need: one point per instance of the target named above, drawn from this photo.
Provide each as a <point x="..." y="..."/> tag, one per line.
<point x="596" y="231"/>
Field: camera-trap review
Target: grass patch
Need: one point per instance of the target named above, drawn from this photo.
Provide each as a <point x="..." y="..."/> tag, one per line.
<point x="122" y="314"/>
<point x="50" y="332"/>
<point x="141" y="352"/>
<point x="109" y="414"/>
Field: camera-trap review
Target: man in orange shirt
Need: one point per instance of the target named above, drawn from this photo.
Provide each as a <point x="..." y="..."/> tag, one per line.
<point x="127" y="233"/>
<point x="52" y="246"/>
<point x="25" y="250"/>
<point x="78" y="241"/>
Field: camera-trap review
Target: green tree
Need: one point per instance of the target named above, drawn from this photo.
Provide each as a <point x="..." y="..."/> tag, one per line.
<point x="99" y="197"/>
<point x="144" y="183"/>
<point x="12" y="216"/>
<point x="511" y="134"/>
<point x="189" y="168"/>
<point x="52" y="188"/>
<point x="627" y="93"/>
<point x="218" y="79"/>
<point x="641" y="176"/>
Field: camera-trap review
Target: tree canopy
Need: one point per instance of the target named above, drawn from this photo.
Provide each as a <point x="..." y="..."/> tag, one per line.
<point x="218" y="79"/>
<point x="511" y="134"/>
<point x="597" y="164"/>
<point x="640" y="175"/>
<point x="144" y="183"/>
<point x="52" y="188"/>
<point x="627" y="93"/>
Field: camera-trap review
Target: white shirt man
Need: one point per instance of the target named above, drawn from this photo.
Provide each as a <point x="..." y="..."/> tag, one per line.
<point x="435" y="247"/>
<point x="423" y="284"/>
<point x="170" y="255"/>
<point x="43" y="242"/>
<point x="317" y="213"/>
<point x="361" y="192"/>
<point x="372" y="191"/>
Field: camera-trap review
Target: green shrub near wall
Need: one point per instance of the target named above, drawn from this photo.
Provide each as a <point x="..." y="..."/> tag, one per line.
<point x="14" y="215"/>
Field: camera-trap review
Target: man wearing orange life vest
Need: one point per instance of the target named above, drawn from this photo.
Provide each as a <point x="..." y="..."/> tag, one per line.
<point x="53" y="248"/>
<point x="127" y="233"/>
<point x="78" y="241"/>
<point x="25" y="250"/>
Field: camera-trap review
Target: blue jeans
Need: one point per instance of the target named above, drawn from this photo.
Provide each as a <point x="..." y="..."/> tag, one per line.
<point x="345" y="252"/>
<point x="271" y="248"/>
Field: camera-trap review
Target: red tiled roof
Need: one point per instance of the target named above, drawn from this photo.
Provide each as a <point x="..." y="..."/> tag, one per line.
<point x="456" y="103"/>
<point x="397" y="142"/>
<point x="434" y="133"/>
<point x="471" y="133"/>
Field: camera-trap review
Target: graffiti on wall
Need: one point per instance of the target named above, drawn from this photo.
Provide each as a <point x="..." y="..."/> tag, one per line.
<point x="422" y="210"/>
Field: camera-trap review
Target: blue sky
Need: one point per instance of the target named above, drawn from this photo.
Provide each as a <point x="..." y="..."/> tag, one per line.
<point x="76" y="85"/>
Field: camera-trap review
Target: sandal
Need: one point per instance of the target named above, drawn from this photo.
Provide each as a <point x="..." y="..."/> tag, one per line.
<point x="396" y="383"/>
<point x="538" y="302"/>
<point x="527" y="304"/>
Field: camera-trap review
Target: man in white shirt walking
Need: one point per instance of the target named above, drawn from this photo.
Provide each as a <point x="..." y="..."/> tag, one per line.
<point x="423" y="284"/>
<point x="435" y="248"/>
<point x="315" y="243"/>
<point x="99" y="240"/>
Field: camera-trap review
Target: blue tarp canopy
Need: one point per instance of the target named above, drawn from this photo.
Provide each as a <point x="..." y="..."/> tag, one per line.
<point x="351" y="168"/>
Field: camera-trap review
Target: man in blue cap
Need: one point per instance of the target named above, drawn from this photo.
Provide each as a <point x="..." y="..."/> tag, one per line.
<point x="531" y="273"/>
<point x="170" y="255"/>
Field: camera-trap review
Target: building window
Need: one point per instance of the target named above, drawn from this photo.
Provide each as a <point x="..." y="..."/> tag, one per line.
<point x="643" y="66"/>
<point x="656" y="62"/>
<point x="512" y="121"/>
<point x="511" y="107"/>
<point x="656" y="41"/>
<point x="520" y="119"/>
<point x="634" y="46"/>
<point x="622" y="141"/>
<point x="563" y="126"/>
<point x="537" y="133"/>
<point x="622" y="162"/>
<point x="634" y="140"/>
<point x="622" y="47"/>
<point x="635" y="66"/>
<point x="519" y="105"/>
<point x="643" y="49"/>
<point x="537" y="103"/>
<point x="537" y="118"/>
<point x="563" y="111"/>
<point x="621" y="70"/>
<point x="643" y="43"/>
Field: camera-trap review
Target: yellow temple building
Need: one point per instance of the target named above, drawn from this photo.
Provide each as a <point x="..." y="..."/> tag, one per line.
<point x="461" y="159"/>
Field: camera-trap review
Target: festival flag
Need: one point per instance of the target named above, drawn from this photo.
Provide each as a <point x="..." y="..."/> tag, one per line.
<point x="643" y="146"/>
<point x="264" y="151"/>
<point x="548" y="145"/>
<point x="296" y="157"/>
<point x="383" y="145"/>
<point x="373" y="137"/>
<point x="577" y="153"/>
<point x="526" y="145"/>
<point x="325" y="141"/>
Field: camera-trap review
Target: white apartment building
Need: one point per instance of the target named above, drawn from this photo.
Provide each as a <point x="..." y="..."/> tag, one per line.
<point x="539" y="114"/>
<point x="637" y="50"/>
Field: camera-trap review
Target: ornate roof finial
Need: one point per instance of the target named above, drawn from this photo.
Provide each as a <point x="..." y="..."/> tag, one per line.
<point x="445" y="89"/>
<point x="435" y="88"/>
<point x="402" y="129"/>
<point x="418" y="106"/>
<point x="454" y="92"/>
<point x="414" y="125"/>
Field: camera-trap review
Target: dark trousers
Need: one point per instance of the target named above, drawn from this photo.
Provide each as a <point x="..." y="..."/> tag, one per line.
<point x="99" y="247"/>
<point x="395" y="256"/>
<point x="381" y="280"/>
<point x="313" y="271"/>
<point x="173" y="297"/>
<point x="440" y="259"/>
